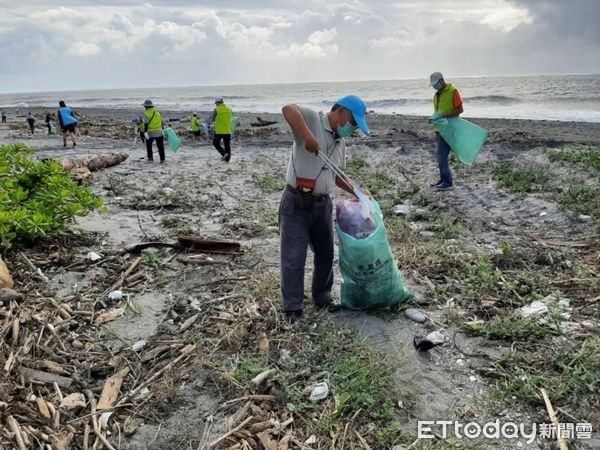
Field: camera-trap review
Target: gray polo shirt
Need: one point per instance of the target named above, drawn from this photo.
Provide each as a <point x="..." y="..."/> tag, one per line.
<point x="304" y="164"/>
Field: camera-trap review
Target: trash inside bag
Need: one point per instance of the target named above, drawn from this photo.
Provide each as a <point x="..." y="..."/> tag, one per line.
<point x="355" y="219"/>
<point x="174" y="140"/>
<point x="52" y="129"/>
<point x="464" y="138"/>
<point x="370" y="276"/>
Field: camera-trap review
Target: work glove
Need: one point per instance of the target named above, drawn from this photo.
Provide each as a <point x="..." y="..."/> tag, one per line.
<point x="436" y="115"/>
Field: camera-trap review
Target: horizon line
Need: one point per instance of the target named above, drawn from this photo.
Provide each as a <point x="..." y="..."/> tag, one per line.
<point x="301" y="82"/>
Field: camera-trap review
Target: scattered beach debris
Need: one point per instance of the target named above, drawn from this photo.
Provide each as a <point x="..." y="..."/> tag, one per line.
<point x="115" y="296"/>
<point x="319" y="392"/>
<point x="405" y="208"/>
<point x="433" y="339"/>
<point x="93" y="256"/>
<point x="536" y="308"/>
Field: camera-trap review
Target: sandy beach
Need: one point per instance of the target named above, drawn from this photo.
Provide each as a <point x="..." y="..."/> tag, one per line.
<point x="196" y="193"/>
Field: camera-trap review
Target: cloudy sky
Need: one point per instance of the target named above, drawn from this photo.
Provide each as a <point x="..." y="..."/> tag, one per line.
<point x="85" y="44"/>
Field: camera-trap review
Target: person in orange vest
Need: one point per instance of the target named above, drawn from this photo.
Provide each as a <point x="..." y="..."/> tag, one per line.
<point x="446" y="103"/>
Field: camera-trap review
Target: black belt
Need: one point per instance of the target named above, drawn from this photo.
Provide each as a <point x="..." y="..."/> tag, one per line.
<point x="317" y="198"/>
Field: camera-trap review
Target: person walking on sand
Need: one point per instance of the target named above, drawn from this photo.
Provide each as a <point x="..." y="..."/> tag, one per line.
<point x="222" y="120"/>
<point x="67" y="121"/>
<point x="446" y="103"/>
<point x="48" y="121"/>
<point x="31" y="122"/>
<point x="305" y="211"/>
<point x="3" y="117"/>
<point x="153" y="127"/>
<point x="195" y="126"/>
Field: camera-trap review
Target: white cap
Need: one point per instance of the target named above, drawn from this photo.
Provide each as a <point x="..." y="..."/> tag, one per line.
<point x="219" y="100"/>
<point x="435" y="77"/>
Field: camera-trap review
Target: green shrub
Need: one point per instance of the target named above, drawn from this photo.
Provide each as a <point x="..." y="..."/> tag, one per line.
<point x="37" y="198"/>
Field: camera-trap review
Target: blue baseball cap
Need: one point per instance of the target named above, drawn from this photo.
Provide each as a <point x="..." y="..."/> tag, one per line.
<point x="358" y="109"/>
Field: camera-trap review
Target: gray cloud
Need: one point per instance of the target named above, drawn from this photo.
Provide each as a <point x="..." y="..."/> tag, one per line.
<point x="87" y="44"/>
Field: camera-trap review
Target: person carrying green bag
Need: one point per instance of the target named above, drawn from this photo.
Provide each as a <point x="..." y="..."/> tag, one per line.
<point x="446" y="103"/>
<point x="153" y="127"/>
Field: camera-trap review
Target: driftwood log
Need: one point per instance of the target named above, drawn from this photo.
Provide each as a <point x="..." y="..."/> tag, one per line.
<point x="190" y="242"/>
<point x="82" y="167"/>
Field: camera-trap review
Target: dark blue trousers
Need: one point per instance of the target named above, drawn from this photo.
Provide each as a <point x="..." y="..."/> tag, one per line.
<point x="298" y="229"/>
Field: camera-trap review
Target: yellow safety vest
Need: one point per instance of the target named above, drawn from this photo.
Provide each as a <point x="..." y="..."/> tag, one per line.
<point x="223" y="119"/>
<point x="195" y="124"/>
<point x="155" y="120"/>
<point x="443" y="101"/>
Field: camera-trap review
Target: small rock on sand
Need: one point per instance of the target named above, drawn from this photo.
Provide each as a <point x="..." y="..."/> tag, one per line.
<point x="415" y="315"/>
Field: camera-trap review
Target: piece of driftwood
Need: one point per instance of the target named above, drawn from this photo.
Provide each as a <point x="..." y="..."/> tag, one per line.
<point x="111" y="389"/>
<point x="561" y="442"/>
<point x="136" y="248"/>
<point x="262" y="123"/>
<point x="188" y="242"/>
<point x="205" y="245"/>
<point x="94" y="161"/>
<point x="199" y="259"/>
<point x="6" y="280"/>
<point x="45" y="377"/>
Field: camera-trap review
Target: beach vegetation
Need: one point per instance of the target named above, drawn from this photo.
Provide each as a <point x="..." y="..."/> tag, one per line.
<point x="522" y="180"/>
<point x="37" y="198"/>
<point x="588" y="158"/>
<point x="581" y="198"/>
<point x="269" y="182"/>
<point x="568" y="371"/>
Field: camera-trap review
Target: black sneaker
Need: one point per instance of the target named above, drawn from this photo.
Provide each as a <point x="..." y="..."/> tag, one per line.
<point x="227" y="157"/>
<point x="436" y="184"/>
<point x="293" y="316"/>
<point x="223" y="157"/>
<point x="331" y="307"/>
<point x="444" y="187"/>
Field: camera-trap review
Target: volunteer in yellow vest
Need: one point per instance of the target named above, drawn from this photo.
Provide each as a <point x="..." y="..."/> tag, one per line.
<point x="154" y="131"/>
<point x="222" y="120"/>
<point x="446" y="103"/>
<point x="195" y="125"/>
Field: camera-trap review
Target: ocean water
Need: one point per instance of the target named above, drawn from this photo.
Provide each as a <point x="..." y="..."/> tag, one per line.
<point x="564" y="97"/>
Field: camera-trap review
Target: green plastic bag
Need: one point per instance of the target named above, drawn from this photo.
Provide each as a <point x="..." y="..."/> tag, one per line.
<point x="235" y="122"/>
<point x="174" y="140"/>
<point x="465" y="138"/>
<point x="52" y="129"/>
<point x="370" y="277"/>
